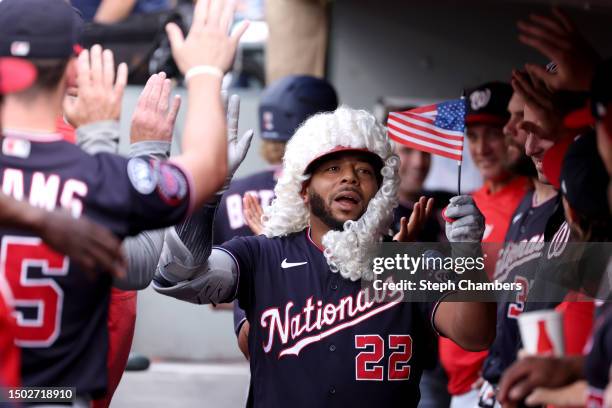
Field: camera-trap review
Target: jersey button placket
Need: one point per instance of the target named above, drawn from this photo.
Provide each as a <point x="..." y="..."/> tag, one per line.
<point x="332" y="390"/>
<point x="332" y="348"/>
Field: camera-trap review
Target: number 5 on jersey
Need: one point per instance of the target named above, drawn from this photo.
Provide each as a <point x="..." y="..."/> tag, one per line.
<point x="20" y="254"/>
<point x="366" y="362"/>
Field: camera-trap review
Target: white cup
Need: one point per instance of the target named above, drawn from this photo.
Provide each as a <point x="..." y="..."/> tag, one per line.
<point x="542" y="332"/>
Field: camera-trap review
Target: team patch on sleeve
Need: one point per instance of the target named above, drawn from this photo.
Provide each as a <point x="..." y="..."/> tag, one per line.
<point x="142" y="175"/>
<point x="173" y="185"/>
<point x="148" y="176"/>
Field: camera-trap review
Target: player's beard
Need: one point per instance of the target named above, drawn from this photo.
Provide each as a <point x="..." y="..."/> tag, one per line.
<point x="523" y="165"/>
<point x="323" y="212"/>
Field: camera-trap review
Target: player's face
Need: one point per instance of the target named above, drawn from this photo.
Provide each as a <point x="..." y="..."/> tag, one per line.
<point x="538" y="141"/>
<point x="517" y="160"/>
<point x="414" y="167"/>
<point x="488" y="148"/>
<point x="516" y="108"/>
<point x="340" y="189"/>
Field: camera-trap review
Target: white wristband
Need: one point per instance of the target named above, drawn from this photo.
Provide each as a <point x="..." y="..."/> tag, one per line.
<point x="203" y="70"/>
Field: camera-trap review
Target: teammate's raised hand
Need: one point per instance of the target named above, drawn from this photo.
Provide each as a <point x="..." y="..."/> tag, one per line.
<point x="558" y="39"/>
<point x="156" y="112"/>
<point x="410" y="227"/>
<point x="208" y="42"/>
<point x="252" y="212"/>
<point x="100" y="90"/>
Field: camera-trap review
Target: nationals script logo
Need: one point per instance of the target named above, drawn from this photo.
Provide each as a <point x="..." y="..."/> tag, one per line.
<point x="289" y="323"/>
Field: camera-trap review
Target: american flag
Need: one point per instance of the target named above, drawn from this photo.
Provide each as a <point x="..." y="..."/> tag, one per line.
<point x="436" y="129"/>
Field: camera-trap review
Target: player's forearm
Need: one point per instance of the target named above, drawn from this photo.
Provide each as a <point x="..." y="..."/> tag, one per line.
<point x="113" y="11"/>
<point x="469" y="324"/>
<point x="143" y="252"/>
<point x="16" y="214"/>
<point x="99" y="137"/>
<point x="204" y="148"/>
<point x="188" y="245"/>
<point x="216" y="281"/>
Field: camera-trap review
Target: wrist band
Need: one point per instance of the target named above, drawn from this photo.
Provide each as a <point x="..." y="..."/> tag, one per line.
<point x="203" y="70"/>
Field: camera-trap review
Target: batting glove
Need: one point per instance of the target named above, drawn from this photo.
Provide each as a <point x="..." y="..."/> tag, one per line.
<point x="464" y="221"/>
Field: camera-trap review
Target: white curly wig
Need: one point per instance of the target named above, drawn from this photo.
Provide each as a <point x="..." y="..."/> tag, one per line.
<point x="349" y="251"/>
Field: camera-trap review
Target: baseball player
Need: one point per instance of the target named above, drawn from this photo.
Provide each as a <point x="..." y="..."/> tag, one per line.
<point x="584" y="177"/>
<point x="315" y="337"/>
<point x="539" y="218"/>
<point x="497" y="199"/>
<point x="62" y="318"/>
<point x="87" y="243"/>
<point x="283" y="106"/>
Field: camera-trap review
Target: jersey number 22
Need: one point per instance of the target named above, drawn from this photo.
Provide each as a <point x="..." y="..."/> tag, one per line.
<point x="366" y="362"/>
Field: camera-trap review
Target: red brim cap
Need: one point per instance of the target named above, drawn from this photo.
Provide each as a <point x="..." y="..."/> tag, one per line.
<point x="580" y="118"/>
<point x="15" y="75"/>
<point x="339" y="149"/>
<point x="553" y="161"/>
<point x="485" y="119"/>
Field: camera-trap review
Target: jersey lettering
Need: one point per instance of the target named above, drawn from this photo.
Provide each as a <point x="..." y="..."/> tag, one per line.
<point x="234" y="211"/>
<point x="233" y="203"/>
<point x="44" y="295"/>
<point x="516" y="308"/>
<point x="45" y="190"/>
<point x="315" y="316"/>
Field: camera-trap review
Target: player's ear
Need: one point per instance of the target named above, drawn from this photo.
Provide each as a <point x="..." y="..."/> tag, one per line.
<point x="71" y="73"/>
<point x="304" y="192"/>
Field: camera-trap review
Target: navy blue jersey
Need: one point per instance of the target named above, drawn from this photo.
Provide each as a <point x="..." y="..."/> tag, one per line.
<point x="229" y="221"/>
<point x="317" y="339"/>
<point x="61" y="313"/>
<point x="519" y="263"/>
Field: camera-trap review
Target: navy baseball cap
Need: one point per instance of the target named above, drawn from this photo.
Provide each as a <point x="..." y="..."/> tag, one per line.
<point x="595" y="103"/>
<point x="39" y="29"/>
<point x="488" y="104"/>
<point x="288" y="102"/>
<point x="583" y="178"/>
<point x="16" y="74"/>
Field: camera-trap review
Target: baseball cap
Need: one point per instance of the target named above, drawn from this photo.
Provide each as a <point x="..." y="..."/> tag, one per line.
<point x="488" y="104"/>
<point x="582" y="176"/>
<point x="553" y="160"/>
<point x="374" y="159"/>
<point x="594" y="103"/>
<point x="38" y="29"/>
<point x="288" y="102"/>
<point x="16" y="74"/>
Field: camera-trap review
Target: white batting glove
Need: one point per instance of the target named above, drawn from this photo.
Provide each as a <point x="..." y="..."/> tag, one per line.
<point x="236" y="148"/>
<point x="464" y="221"/>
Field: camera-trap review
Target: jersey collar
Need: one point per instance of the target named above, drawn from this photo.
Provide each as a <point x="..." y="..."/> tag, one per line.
<point x="33" y="136"/>
<point x="311" y="241"/>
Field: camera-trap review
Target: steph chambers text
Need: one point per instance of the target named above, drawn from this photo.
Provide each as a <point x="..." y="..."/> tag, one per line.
<point x="463" y="285"/>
